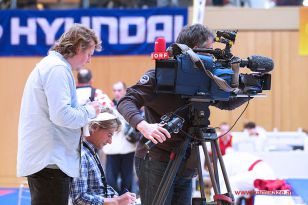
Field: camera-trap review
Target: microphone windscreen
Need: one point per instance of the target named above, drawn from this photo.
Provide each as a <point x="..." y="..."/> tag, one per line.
<point x="260" y="63"/>
<point x="160" y="45"/>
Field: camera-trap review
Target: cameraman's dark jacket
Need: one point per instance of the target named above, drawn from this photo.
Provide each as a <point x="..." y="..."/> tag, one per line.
<point x="155" y="106"/>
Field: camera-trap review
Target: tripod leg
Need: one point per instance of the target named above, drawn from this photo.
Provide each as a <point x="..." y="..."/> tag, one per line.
<point x="201" y="183"/>
<point x="210" y="167"/>
<point x="170" y="174"/>
<point x="223" y="169"/>
<point x="214" y="157"/>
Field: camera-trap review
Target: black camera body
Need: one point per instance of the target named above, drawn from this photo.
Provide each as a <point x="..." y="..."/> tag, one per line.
<point x="252" y="84"/>
<point x="172" y="123"/>
<point x="180" y="75"/>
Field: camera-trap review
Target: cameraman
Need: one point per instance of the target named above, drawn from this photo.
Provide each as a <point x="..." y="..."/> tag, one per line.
<point x="150" y="166"/>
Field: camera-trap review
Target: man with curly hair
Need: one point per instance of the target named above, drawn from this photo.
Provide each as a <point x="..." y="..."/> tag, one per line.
<point x="50" y="118"/>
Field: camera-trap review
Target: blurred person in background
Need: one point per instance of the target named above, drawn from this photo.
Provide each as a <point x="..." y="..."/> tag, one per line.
<point x="243" y="169"/>
<point x="86" y="92"/>
<point x="257" y="135"/>
<point x="119" y="90"/>
<point x="51" y="119"/>
<point x="225" y="139"/>
<point x="120" y="154"/>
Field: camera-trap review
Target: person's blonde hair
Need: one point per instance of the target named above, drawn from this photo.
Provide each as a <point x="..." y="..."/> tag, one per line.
<point x="106" y="124"/>
<point x="78" y="36"/>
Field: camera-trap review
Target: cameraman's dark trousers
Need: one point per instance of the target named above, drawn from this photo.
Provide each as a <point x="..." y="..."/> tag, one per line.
<point x="49" y="187"/>
<point x="150" y="173"/>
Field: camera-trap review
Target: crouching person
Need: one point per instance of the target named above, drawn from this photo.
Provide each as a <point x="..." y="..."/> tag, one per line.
<point x="91" y="187"/>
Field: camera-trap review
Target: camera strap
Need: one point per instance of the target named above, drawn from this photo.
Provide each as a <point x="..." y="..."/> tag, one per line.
<point x="182" y="48"/>
<point x="103" y="177"/>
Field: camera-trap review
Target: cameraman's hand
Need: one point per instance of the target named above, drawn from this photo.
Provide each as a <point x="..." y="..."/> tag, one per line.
<point x="154" y="132"/>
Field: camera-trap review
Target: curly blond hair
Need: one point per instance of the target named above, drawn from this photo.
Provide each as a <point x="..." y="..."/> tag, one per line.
<point x="78" y="36"/>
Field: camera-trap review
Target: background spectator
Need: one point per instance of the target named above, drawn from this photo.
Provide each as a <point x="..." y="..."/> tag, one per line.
<point x="243" y="169"/>
<point x="257" y="135"/>
<point x="120" y="154"/>
<point x="86" y="92"/>
<point x="225" y="141"/>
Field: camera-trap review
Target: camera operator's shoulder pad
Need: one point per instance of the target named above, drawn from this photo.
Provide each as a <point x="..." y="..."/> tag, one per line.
<point x="147" y="78"/>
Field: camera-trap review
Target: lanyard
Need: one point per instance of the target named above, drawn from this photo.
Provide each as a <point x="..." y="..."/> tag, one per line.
<point x="103" y="178"/>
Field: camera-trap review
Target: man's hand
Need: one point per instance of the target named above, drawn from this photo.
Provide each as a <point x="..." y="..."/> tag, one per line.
<point x="96" y="105"/>
<point x="154" y="132"/>
<point x="126" y="199"/>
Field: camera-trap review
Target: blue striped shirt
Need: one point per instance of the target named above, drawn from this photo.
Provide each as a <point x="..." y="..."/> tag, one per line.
<point x="89" y="187"/>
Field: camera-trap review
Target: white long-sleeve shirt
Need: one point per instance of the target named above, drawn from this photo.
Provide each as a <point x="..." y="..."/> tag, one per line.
<point x="50" y="119"/>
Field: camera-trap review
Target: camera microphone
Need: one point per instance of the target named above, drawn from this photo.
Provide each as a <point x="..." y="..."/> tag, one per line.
<point x="160" y="50"/>
<point x="258" y="63"/>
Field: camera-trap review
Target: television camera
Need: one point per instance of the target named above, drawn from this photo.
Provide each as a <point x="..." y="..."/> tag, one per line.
<point x="212" y="74"/>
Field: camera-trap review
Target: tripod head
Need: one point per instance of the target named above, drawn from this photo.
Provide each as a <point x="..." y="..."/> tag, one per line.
<point x="198" y="117"/>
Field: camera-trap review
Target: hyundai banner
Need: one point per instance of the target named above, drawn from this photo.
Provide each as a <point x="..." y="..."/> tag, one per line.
<point x="123" y="32"/>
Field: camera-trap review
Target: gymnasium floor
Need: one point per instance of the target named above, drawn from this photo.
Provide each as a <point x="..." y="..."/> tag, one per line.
<point x="9" y="196"/>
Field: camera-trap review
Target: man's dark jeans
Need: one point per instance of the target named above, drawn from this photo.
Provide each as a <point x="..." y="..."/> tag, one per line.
<point x="49" y="187"/>
<point x="120" y="165"/>
<point x="150" y="173"/>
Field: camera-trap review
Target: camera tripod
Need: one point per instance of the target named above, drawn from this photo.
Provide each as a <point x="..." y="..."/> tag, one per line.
<point x="198" y="134"/>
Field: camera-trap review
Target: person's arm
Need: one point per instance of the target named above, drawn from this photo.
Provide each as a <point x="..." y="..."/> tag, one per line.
<point x="79" y="186"/>
<point x="56" y="86"/>
<point x="136" y="97"/>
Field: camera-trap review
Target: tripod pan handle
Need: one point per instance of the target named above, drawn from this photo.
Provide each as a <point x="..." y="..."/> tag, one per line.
<point x="149" y="144"/>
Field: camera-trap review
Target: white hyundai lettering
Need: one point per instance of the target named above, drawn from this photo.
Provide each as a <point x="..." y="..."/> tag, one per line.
<point x="139" y="37"/>
<point x="50" y="30"/>
<point x="178" y="25"/>
<point x="86" y="21"/>
<point x="166" y="32"/>
<point x="17" y="31"/>
<point x="69" y="22"/>
<point x="112" y="24"/>
<point x="1" y="31"/>
<point x="118" y="30"/>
